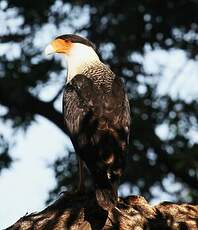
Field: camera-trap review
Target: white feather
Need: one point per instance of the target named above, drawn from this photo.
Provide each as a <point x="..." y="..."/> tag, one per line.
<point x="79" y="57"/>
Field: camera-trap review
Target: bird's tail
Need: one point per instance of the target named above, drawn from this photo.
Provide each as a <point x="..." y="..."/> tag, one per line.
<point x="106" y="192"/>
<point x="107" y="198"/>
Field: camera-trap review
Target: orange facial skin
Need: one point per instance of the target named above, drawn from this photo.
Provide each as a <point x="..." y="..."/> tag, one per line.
<point x="61" y="46"/>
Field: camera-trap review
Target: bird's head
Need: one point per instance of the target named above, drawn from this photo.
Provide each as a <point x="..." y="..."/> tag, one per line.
<point x="78" y="51"/>
<point x="66" y="44"/>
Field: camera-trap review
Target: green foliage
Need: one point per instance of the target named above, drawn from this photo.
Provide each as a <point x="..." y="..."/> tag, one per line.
<point x="119" y="29"/>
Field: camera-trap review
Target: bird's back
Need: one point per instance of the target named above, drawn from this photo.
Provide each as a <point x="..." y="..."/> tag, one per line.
<point x="96" y="112"/>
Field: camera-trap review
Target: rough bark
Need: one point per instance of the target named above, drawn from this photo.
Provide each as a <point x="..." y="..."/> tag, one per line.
<point x="82" y="212"/>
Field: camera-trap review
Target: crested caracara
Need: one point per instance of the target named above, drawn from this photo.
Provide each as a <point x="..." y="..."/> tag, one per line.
<point x="96" y="114"/>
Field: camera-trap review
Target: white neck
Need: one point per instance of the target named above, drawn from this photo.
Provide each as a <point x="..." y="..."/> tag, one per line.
<point x="79" y="57"/>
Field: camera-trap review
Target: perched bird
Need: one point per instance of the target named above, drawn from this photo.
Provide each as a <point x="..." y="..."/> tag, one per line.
<point x="96" y="114"/>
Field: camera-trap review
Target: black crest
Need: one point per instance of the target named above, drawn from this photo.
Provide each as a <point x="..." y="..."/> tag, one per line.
<point x="77" y="39"/>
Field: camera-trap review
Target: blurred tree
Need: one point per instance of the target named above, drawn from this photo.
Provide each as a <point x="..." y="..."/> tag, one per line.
<point x="121" y="30"/>
<point x="5" y="159"/>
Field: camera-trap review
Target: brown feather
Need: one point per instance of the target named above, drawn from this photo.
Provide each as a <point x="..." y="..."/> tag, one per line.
<point x="96" y="112"/>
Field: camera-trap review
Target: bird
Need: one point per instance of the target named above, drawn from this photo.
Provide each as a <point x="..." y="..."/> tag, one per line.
<point x="96" y="115"/>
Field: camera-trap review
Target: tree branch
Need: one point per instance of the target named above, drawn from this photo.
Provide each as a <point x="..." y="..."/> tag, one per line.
<point x="57" y="95"/>
<point x="83" y="213"/>
<point x="15" y="96"/>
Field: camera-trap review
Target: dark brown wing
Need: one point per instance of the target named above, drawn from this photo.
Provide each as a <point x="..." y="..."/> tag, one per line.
<point x="98" y="120"/>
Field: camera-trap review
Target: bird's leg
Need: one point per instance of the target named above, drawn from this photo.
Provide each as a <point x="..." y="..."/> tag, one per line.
<point x="81" y="186"/>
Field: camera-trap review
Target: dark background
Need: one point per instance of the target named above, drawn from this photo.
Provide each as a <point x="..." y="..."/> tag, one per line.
<point x="124" y="33"/>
